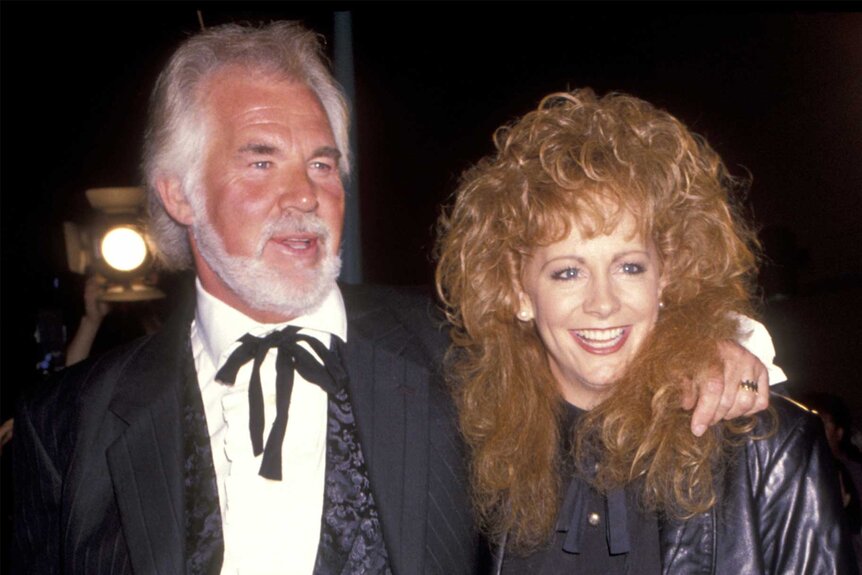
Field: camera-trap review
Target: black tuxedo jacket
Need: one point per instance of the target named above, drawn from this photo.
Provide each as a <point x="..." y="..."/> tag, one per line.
<point x="98" y="453"/>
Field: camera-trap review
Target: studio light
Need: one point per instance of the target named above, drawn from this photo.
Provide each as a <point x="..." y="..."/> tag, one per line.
<point x="114" y="245"/>
<point x="124" y="248"/>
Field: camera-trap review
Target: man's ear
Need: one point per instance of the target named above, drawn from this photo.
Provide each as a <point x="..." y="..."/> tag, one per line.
<point x="174" y="199"/>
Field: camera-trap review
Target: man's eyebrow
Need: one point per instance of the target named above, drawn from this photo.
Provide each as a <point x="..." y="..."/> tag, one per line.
<point x="326" y="152"/>
<point x="261" y="149"/>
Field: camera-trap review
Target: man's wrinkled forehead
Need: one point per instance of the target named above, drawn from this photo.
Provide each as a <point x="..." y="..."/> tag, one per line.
<point x="240" y="74"/>
<point x="210" y="91"/>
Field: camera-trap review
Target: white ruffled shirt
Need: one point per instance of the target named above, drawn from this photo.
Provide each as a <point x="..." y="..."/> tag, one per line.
<point x="269" y="526"/>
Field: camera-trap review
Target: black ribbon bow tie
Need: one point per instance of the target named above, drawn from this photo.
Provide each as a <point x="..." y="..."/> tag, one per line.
<point x="291" y="358"/>
<point x="573" y="516"/>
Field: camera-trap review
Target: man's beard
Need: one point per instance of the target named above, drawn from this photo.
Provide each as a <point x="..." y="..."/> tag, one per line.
<point x="262" y="287"/>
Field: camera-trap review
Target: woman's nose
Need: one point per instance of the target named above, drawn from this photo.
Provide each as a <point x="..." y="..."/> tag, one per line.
<point x="602" y="299"/>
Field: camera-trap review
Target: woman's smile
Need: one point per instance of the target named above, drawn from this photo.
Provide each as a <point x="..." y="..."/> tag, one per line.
<point x="601" y="341"/>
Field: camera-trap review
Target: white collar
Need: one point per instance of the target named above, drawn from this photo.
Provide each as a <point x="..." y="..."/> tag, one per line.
<point x="220" y="325"/>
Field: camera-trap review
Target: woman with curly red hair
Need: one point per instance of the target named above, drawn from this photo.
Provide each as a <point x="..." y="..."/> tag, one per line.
<point x="590" y="269"/>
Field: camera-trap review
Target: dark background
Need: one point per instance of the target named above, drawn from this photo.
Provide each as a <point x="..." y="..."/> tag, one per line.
<point x="776" y="88"/>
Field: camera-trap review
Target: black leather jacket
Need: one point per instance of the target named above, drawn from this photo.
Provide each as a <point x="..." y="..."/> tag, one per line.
<point x="779" y="510"/>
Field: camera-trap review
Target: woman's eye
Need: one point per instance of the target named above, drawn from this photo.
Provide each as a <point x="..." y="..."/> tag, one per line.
<point x="262" y="165"/>
<point x="566" y="274"/>
<point x="630" y="268"/>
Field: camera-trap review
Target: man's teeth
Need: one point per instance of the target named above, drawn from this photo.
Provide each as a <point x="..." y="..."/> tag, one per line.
<point x="600" y="336"/>
<point x="298" y="244"/>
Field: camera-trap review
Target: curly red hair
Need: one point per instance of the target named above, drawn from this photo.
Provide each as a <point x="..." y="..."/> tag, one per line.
<point x="558" y="166"/>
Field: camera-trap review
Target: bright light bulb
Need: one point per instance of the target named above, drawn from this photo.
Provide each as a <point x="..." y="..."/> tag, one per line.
<point x="124" y="249"/>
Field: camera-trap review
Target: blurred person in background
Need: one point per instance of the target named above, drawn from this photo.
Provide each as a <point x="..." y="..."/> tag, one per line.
<point x="838" y="425"/>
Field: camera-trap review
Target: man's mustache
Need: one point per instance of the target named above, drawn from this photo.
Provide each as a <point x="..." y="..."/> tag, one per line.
<point x="294" y="224"/>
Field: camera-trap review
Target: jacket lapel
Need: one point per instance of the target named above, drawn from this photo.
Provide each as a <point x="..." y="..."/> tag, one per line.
<point x="388" y="388"/>
<point x="145" y="460"/>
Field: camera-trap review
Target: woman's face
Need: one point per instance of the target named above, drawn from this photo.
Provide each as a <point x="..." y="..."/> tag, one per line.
<point x="594" y="302"/>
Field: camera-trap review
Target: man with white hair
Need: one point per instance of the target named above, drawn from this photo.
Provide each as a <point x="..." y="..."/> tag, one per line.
<point x="274" y="430"/>
<point x="284" y="424"/>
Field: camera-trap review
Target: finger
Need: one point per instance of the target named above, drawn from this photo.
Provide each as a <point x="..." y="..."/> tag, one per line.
<point x="688" y="395"/>
<point x="760" y="400"/>
<point x="731" y="378"/>
<point x="737" y="368"/>
<point x="744" y="401"/>
<point x="709" y="396"/>
<point x="748" y="401"/>
<point x="741" y="365"/>
<point x="762" y="390"/>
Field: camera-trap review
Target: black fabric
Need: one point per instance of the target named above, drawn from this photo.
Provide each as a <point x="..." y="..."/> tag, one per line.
<point x="203" y="522"/>
<point x="291" y="358"/>
<point x="351" y="539"/>
<point x="778" y="509"/>
<point x="407" y="423"/>
<point x="622" y="539"/>
<point x="100" y="451"/>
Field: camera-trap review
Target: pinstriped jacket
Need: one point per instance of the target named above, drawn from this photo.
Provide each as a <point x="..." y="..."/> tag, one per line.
<point x="98" y="453"/>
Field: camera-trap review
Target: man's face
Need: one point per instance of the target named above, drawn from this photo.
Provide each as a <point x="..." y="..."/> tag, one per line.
<point x="273" y="202"/>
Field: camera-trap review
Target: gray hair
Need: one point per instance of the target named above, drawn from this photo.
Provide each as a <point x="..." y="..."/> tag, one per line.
<point x="174" y="143"/>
